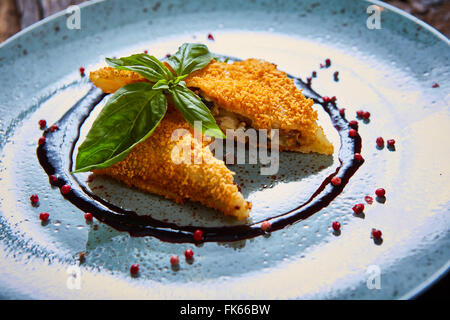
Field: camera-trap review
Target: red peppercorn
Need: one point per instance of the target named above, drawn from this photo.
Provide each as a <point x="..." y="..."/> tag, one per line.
<point x="358" y="208"/>
<point x="168" y="55"/>
<point x="82" y="71"/>
<point x="189" y="254"/>
<point x="174" y="260"/>
<point x="65" y="189"/>
<point x="342" y="112"/>
<point x="198" y="235"/>
<point x="336" y="76"/>
<point x="134" y="269"/>
<point x="366" y="115"/>
<point x="314" y="74"/>
<point x="353" y="124"/>
<point x="326" y="99"/>
<point x="380" y="192"/>
<point x="380" y="142"/>
<point x="390" y="142"/>
<point x="88" y="216"/>
<point x="336" y="226"/>
<point x="360" y="113"/>
<point x="53" y="179"/>
<point x="54" y="127"/>
<point x="352" y="133"/>
<point x="368" y="199"/>
<point x="145" y="51"/>
<point x="41" y="141"/>
<point x="327" y="62"/>
<point x="333" y="99"/>
<point x="336" y="181"/>
<point x="42" y="123"/>
<point x="376" y="234"/>
<point x="358" y="157"/>
<point x="265" y="225"/>
<point x="308" y="80"/>
<point x="322" y="66"/>
<point x="210" y="37"/>
<point x="34" y="199"/>
<point x="44" y="216"/>
<point x="435" y="85"/>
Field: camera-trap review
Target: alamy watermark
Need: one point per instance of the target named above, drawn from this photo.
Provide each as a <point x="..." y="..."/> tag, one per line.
<point x="73" y="21"/>
<point x="374" y="20"/>
<point x="374" y="277"/>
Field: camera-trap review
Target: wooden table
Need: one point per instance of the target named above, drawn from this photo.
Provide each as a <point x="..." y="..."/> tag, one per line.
<point x="18" y="14"/>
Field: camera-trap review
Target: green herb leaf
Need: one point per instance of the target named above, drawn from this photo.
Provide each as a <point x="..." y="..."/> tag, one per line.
<point x="190" y="57"/>
<point x="130" y="116"/>
<point x="147" y="66"/>
<point x="193" y="109"/>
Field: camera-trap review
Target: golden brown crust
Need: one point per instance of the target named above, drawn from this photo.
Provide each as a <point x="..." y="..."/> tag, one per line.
<point x="150" y="167"/>
<point x="110" y="80"/>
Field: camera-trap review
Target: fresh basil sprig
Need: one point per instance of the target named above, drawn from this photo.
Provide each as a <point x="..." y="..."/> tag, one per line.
<point x="134" y="111"/>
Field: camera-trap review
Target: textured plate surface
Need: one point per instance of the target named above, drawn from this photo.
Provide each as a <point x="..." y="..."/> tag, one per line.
<point x="388" y="71"/>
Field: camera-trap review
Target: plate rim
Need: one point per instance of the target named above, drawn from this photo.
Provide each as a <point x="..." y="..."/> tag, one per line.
<point x="414" y="293"/>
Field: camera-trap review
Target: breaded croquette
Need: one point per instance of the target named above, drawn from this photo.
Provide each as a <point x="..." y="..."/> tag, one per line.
<point x="150" y="167"/>
<point x="256" y="93"/>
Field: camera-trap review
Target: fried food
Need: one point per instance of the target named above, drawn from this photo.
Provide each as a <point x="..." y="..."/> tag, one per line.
<point x="197" y="175"/>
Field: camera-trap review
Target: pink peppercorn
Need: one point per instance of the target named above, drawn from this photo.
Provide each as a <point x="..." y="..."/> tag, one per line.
<point x="358" y="208"/>
<point x="41" y="141"/>
<point x="42" y="123"/>
<point x="34" y="198"/>
<point x="342" y="111"/>
<point x="210" y="37"/>
<point x="380" y="142"/>
<point x="368" y="199"/>
<point x="65" y="189"/>
<point x="53" y="128"/>
<point x="44" y="216"/>
<point x="336" y="181"/>
<point x="53" y="179"/>
<point x="88" y="216"/>
<point x="336" y="226"/>
<point x="198" y="235"/>
<point x="380" y="192"/>
<point x="390" y="142"/>
<point x="376" y="234"/>
<point x="265" y="225"/>
<point x="326" y="99"/>
<point x="174" y="260"/>
<point x="327" y="62"/>
<point x="435" y="85"/>
<point x="134" y="269"/>
<point x="358" y="157"/>
<point x="82" y="71"/>
<point x="352" y="133"/>
<point x="189" y="254"/>
<point x="366" y="115"/>
<point x="353" y="124"/>
<point x="360" y="113"/>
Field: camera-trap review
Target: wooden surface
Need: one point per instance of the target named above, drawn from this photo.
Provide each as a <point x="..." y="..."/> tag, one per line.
<point x="18" y="14"/>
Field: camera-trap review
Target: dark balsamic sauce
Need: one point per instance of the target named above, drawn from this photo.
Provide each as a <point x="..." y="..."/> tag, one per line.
<point x="56" y="157"/>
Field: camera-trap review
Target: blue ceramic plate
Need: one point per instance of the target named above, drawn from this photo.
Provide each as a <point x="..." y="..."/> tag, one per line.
<point x="386" y="66"/>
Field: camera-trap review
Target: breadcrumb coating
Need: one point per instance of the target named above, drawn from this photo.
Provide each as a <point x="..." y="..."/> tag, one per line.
<point x="151" y="167"/>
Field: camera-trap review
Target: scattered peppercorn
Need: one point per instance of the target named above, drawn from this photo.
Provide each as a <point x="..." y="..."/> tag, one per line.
<point x="34" y="198"/>
<point x="366" y="115"/>
<point x="336" y="226"/>
<point x="53" y="179"/>
<point x="380" y="142"/>
<point x="358" y="208"/>
<point x="265" y="225"/>
<point x="54" y="127"/>
<point x="380" y="192"/>
<point x="44" y="216"/>
<point x="174" y="260"/>
<point x="326" y="99"/>
<point x="65" y="189"/>
<point x="314" y="74"/>
<point x="358" y="157"/>
<point x="88" y="216"/>
<point x="134" y="269"/>
<point x="336" y="76"/>
<point x="435" y="85"/>
<point x="82" y="71"/>
<point x="352" y="133"/>
<point x="336" y="181"/>
<point x="342" y="112"/>
<point x="359" y="113"/>
<point x="42" y="123"/>
<point x="368" y="199"/>
<point x="41" y="141"/>
<point x="390" y="142"/>
<point x="189" y="254"/>
<point x="327" y="62"/>
<point x="198" y="235"/>
<point x="210" y="37"/>
<point x="376" y="234"/>
<point x="353" y="124"/>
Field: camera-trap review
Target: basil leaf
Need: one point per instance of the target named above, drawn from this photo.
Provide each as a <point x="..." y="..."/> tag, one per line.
<point x="193" y="109"/>
<point x="147" y="66"/>
<point x="190" y="57"/>
<point x="130" y="116"/>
